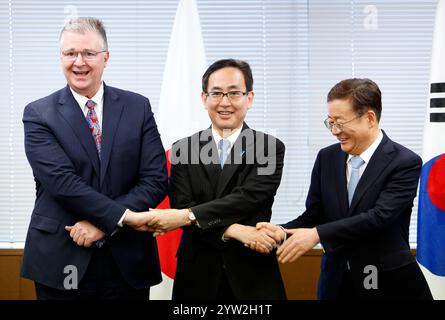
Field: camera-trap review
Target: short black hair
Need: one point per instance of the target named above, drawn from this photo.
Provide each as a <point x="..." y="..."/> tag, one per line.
<point x="364" y="95"/>
<point x="243" y="66"/>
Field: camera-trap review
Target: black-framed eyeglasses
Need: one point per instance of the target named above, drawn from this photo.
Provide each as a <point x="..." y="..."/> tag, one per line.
<point x="329" y="123"/>
<point x="233" y="96"/>
<point x="71" y="55"/>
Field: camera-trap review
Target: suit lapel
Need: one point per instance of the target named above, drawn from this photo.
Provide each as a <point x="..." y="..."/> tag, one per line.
<point x="208" y="151"/>
<point x="112" y="112"/>
<point x="378" y="162"/>
<point x="71" y="112"/>
<point x="340" y="181"/>
<point x="229" y="170"/>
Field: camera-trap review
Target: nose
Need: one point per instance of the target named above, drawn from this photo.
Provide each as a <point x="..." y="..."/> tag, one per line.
<point x="335" y="131"/>
<point x="225" y="100"/>
<point x="79" y="61"/>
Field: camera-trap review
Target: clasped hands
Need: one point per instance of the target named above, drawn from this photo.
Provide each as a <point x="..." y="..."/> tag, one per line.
<point x="158" y="221"/>
<point x="298" y="241"/>
<point x="263" y="238"/>
<point x="85" y="234"/>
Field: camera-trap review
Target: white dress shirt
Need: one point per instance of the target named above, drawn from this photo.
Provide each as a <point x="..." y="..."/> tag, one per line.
<point x="232" y="138"/>
<point x="365" y="155"/>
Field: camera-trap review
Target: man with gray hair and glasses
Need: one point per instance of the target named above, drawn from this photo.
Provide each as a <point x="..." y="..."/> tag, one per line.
<point x="99" y="165"/>
<point x="358" y="205"/>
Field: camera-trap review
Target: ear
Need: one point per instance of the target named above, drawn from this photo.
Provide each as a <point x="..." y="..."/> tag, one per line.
<point x="106" y="57"/>
<point x="371" y="117"/>
<point x="250" y="97"/>
<point x="204" y="98"/>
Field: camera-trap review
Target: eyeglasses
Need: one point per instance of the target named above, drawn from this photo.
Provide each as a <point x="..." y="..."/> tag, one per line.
<point x="233" y="96"/>
<point x="72" y="55"/>
<point x="339" y="126"/>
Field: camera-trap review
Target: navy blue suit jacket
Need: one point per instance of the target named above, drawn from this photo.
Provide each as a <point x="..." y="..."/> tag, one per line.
<point x="72" y="184"/>
<point x="374" y="230"/>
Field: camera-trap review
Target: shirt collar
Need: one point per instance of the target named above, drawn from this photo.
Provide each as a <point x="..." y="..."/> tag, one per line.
<point x="82" y="100"/>
<point x="367" y="154"/>
<point x="232" y="138"/>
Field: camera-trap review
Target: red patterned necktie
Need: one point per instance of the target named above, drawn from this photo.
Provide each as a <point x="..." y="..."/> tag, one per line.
<point x="93" y="123"/>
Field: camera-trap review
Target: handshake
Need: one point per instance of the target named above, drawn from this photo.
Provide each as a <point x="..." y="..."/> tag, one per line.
<point x="158" y="221"/>
<point x="263" y="238"/>
<point x="291" y="243"/>
<point x="85" y="234"/>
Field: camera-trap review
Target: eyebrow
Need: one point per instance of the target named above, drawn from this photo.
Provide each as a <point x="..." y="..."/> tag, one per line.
<point x="84" y="50"/>
<point x="336" y="118"/>
<point x="229" y="88"/>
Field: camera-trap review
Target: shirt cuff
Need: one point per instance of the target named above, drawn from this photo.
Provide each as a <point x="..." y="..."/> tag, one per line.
<point x="192" y="218"/>
<point x="120" y="224"/>
<point x="285" y="235"/>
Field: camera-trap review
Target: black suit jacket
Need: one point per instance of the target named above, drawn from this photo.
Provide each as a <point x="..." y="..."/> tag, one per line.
<point x="72" y="184"/>
<point x="218" y="198"/>
<point x="375" y="229"/>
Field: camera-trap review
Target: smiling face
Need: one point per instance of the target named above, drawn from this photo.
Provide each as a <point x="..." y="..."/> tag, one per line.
<point x="83" y="76"/>
<point x="227" y="114"/>
<point x="358" y="134"/>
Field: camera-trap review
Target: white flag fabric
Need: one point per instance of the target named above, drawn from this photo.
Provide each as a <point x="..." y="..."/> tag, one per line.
<point x="180" y="114"/>
<point x="434" y="134"/>
<point x="180" y="111"/>
<point x="431" y="208"/>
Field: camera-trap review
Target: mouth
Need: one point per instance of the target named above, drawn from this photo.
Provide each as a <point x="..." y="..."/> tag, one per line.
<point x="225" y="114"/>
<point x="81" y="73"/>
<point x="343" y="140"/>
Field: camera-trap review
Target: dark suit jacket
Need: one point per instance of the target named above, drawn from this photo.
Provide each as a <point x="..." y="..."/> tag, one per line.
<point x="218" y="198"/>
<point x="374" y="230"/>
<point x="72" y="184"/>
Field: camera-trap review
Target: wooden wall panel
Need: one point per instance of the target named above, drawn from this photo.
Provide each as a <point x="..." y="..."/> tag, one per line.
<point x="300" y="277"/>
<point x="12" y="286"/>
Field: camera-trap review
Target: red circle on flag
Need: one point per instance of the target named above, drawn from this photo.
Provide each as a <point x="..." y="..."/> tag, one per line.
<point x="436" y="183"/>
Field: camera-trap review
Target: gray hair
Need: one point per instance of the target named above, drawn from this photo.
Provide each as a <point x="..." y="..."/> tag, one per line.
<point x="86" y="24"/>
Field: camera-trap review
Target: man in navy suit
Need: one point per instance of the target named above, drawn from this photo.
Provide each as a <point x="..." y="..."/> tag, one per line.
<point x="359" y="205"/>
<point x="99" y="165"/>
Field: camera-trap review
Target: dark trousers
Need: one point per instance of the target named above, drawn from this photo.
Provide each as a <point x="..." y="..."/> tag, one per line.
<point x="102" y="280"/>
<point x="405" y="283"/>
<point x="225" y="292"/>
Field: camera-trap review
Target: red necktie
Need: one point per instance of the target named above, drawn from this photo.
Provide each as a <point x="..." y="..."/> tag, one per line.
<point x="93" y="123"/>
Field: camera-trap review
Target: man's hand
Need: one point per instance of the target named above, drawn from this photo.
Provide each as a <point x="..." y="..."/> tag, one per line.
<point x="140" y="221"/>
<point x="278" y="232"/>
<point x="84" y="233"/>
<point x="262" y="241"/>
<point x="301" y="241"/>
<point x="165" y="220"/>
<point x="275" y="232"/>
